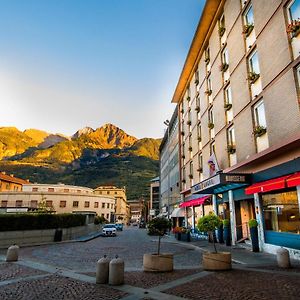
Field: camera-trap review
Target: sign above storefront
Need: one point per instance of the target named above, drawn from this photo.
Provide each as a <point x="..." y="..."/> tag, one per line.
<point x="220" y="183"/>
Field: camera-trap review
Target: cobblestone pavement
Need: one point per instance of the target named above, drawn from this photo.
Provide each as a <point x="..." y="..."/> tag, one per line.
<point x="67" y="271"/>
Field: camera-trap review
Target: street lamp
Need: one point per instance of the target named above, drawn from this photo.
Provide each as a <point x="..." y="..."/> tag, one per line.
<point x="167" y="123"/>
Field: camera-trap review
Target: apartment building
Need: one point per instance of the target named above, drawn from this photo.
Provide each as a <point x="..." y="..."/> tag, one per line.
<point x="154" y="197"/>
<point x="10" y="182"/>
<point x="239" y="119"/>
<point x="58" y="198"/>
<point x="122" y="209"/>
<point x="169" y="167"/>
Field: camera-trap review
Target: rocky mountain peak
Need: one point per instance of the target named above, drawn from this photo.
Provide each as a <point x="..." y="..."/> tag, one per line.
<point x="83" y="131"/>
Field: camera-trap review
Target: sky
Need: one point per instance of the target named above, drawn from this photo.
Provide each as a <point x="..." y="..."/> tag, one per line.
<point x="67" y="64"/>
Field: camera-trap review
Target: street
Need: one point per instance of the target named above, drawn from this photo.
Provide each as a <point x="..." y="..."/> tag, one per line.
<point x="67" y="271"/>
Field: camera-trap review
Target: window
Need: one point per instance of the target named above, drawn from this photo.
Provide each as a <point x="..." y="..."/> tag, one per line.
<point x="209" y="86"/>
<point x="259" y="115"/>
<point x="86" y="204"/>
<point x="191" y="170"/>
<point x="75" y="203"/>
<point x="35" y="189"/>
<point x="49" y="203"/>
<point x="231" y="136"/>
<point x="222" y="25"/>
<point x="294" y="10"/>
<point x="225" y="57"/>
<point x="210" y="119"/>
<point x="66" y="190"/>
<point x="51" y="190"/>
<point x="200" y="163"/>
<point x="197" y="77"/>
<point x="249" y="17"/>
<point x="4" y="203"/>
<point x="108" y="192"/>
<point x="78" y="191"/>
<point x="281" y="212"/>
<point x="107" y="205"/>
<point x="228" y="96"/>
<point x="62" y="203"/>
<point x="207" y="55"/>
<point x="212" y="148"/>
<point x="33" y="204"/>
<point x="96" y="204"/>
<point x="102" y="215"/>
<point x="116" y="193"/>
<point x="107" y="216"/>
<point x="199" y="136"/>
<point x="253" y="63"/>
<point x="103" y="205"/>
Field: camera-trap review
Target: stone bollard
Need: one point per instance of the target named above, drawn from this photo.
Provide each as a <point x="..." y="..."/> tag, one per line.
<point x="283" y="258"/>
<point x="12" y="253"/>
<point x="102" y="270"/>
<point x="116" y="271"/>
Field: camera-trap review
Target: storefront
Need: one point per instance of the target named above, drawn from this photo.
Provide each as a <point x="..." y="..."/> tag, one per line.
<point x="279" y="201"/>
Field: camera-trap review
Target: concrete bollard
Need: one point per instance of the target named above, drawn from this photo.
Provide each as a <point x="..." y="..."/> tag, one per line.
<point x="102" y="270"/>
<point x="116" y="271"/>
<point x="12" y="253"/>
<point x="283" y="258"/>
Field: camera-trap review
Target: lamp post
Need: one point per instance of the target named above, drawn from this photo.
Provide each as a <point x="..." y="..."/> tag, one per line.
<point x="167" y="123"/>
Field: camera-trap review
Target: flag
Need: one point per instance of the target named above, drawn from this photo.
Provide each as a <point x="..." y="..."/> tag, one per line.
<point x="213" y="165"/>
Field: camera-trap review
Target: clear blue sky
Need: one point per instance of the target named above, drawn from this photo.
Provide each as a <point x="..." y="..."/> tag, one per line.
<point x="67" y="64"/>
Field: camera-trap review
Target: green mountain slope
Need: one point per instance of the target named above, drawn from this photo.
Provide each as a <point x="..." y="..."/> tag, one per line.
<point x="105" y="156"/>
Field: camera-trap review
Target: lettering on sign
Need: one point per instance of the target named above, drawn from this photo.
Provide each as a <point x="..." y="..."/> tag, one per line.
<point x="235" y="178"/>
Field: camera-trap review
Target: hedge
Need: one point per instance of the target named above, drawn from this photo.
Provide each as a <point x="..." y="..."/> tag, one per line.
<point x="11" y="222"/>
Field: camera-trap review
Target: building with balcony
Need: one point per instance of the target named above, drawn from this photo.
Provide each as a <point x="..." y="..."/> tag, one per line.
<point x="239" y="119"/>
<point x="57" y="198"/>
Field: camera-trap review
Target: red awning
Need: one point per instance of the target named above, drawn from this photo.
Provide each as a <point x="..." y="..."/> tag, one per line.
<point x="194" y="202"/>
<point x="293" y="180"/>
<point x="267" y="186"/>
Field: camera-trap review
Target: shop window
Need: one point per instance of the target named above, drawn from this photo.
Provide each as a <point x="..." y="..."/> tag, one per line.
<point x="19" y="203"/>
<point x="4" y="203"/>
<point x="75" y="203"/>
<point x="86" y="204"/>
<point x="281" y="212"/>
<point x="62" y="203"/>
<point x="96" y="204"/>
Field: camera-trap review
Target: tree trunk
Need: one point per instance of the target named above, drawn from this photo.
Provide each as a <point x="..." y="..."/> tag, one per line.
<point x="158" y="250"/>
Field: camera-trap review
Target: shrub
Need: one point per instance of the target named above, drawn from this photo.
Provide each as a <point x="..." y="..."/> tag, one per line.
<point x="226" y="223"/>
<point x="99" y="220"/>
<point x="13" y="222"/>
<point x="252" y="223"/>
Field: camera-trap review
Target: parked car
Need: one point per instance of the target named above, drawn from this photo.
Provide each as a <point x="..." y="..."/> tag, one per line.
<point x="119" y="226"/>
<point x="135" y="224"/>
<point x="109" y="230"/>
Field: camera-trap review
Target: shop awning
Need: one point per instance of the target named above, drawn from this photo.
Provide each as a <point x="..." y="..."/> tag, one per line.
<point x="194" y="202"/>
<point x="267" y="186"/>
<point x="179" y="212"/>
<point x="293" y="180"/>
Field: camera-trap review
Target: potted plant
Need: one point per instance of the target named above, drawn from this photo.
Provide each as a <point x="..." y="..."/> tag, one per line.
<point x="158" y="262"/>
<point x="185" y="235"/>
<point x="248" y="29"/>
<point x="254" y="235"/>
<point x="259" y="131"/>
<point x="221" y="31"/>
<point x="253" y="77"/>
<point x="226" y="232"/>
<point x="213" y="260"/>
<point x="210" y="125"/>
<point x="224" y="67"/>
<point x="177" y="231"/>
<point x="294" y="28"/>
<point x="231" y="149"/>
<point x="227" y="106"/>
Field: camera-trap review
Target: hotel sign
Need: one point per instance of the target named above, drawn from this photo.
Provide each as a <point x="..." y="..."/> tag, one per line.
<point x="220" y="180"/>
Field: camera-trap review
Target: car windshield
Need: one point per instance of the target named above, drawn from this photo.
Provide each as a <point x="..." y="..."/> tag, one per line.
<point x="109" y="226"/>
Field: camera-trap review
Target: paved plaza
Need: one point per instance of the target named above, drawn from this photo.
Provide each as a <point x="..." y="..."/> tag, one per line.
<point x="67" y="271"/>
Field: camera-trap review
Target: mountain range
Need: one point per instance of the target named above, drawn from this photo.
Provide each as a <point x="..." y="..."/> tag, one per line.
<point x="91" y="157"/>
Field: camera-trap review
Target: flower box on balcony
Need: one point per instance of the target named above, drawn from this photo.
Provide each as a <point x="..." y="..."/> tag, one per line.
<point x="207" y="60"/>
<point x="200" y="170"/>
<point x="227" y="106"/>
<point x="189" y="122"/>
<point x="182" y="132"/>
<point x="191" y="176"/>
<point x="190" y="149"/>
<point x="294" y="28"/>
<point x="188" y="98"/>
<point x="182" y="110"/>
<point x="197" y="109"/>
<point x="210" y="125"/>
<point x="259" y="131"/>
<point x="224" y="67"/>
<point x="253" y="77"/>
<point x="248" y="29"/>
<point x="208" y="92"/>
<point x="196" y="81"/>
<point x="231" y="149"/>
<point x="221" y="31"/>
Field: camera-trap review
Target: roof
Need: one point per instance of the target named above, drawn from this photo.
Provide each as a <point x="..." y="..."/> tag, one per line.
<point x="11" y="178"/>
<point x="155" y="179"/>
<point x="197" y="47"/>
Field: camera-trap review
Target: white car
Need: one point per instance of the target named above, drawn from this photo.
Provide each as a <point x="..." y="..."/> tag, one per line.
<point x="109" y="230"/>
